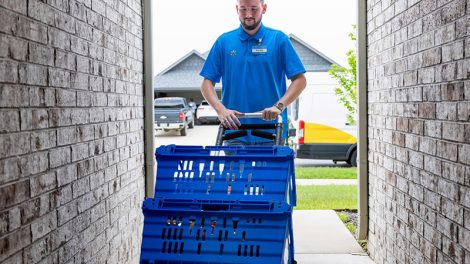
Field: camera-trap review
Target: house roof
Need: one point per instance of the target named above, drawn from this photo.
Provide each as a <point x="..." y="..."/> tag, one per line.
<point x="183" y="75"/>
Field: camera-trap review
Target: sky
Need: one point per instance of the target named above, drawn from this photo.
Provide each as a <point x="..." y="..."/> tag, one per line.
<point x="183" y="25"/>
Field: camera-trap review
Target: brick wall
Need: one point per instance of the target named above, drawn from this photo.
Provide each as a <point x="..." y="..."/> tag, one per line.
<point x="71" y="131"/>
<point x="419" y="130"/>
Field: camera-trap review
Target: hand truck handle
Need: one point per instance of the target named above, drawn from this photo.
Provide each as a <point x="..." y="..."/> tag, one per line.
<point x="221" y="136"/>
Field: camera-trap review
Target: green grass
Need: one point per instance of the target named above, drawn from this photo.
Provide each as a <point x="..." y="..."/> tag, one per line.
<point x="337" y="197"/>
<point x="325" y="173"/>
<point x="347" y="222"/>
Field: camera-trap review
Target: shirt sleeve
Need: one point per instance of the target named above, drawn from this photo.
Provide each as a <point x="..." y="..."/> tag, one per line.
<point x="212" y="69"/>
<point x="292" y="63"/>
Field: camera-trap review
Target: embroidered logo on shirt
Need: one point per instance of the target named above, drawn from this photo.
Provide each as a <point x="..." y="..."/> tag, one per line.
<point x="233" y="53"/>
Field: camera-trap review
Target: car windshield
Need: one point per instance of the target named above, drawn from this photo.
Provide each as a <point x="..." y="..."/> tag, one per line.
<point x="168" y="103"/>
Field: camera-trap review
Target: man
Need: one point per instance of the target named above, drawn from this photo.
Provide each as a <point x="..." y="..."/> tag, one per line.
<point x="253" y="62"/>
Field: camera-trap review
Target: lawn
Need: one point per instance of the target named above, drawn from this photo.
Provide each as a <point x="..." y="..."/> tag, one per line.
<point x="337" y="197"/>
<point x="325" y="173"/>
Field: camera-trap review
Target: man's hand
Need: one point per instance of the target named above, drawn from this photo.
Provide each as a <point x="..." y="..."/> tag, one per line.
<point x="271" y="113"/>
<point x="228" y="118"/>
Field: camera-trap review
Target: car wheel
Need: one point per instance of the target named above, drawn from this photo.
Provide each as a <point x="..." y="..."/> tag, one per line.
<point x="191" y="125"/>
<point x="184" y="131"/>
<point x="353" y="159"/>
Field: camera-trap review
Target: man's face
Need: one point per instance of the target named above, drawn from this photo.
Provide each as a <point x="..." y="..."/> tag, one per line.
<point x="250" y="13"/>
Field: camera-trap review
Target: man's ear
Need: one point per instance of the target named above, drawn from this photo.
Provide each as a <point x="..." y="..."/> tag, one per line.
<point x="264" y="8"/>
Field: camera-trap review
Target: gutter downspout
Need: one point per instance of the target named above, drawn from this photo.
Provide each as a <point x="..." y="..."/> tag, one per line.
<point x="149" y="136"/>
<point x="363" y="212"/>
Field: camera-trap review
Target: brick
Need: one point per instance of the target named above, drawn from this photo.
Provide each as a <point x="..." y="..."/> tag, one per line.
<point x="60" y="157"/>
<point x="453" y="11"/>
<point x="33" y="74"/>
<point x="65" y="22"/>
<point x="427" y="110"/>
<point x="453" y="131"/>
<point x="42" y="183"/>
<point x="432" y="199"/>
<point x="445" y="34"/>
<point x="86" y="133"/>
<point x="8" y="71"/>
<point x="14" y="144"/>
<point x="41" y="12"/>
<point x="83" y="64"/>
<point x="464" y="238"/>
<point x="432" y="57"/>
<point x="467" y="47"/>
<point x="452" y="51"/>
<point x="10" y="169"/>
<point x="81" y="187"/>
<point x="18" y="6"/>
<point x="58" y="39"/>
<point x="80" y="81"/>
<point x="447" y="150"/>
<point x="446" y="72"/>
<point x="59" y="78"/>
<point x="85" y="168"/>
<point x="41" y="97"/>
<point x="44" y="139"/>
<point x="426" y="75"/>
<point x="15" y="48"/>
<point x="84" y="99"/>
<point x="37" y="251"/>
<point x="80" y="152"/>
<point x="65" y="60"/>
<point x="79" y="46"/>
<point x="449" y="190"/>
<point x="80" y="116"/>
<point x="31" y="30"/>
<point x="34" y="119"/>
<point x="463" y="154"/>
<point x="463" y="111"/>
<point x="66" y="136"/>
<point x="60" y="117"/>
<point x="452" y="91"/>
<point x="41" y="54"/>
<point x="446" y="111"/>
<point x="13" y="194"/>
<point x="452" y="211"/>
<point x="78" y="11"/>
<point x="10" y="121"/>
<point x="66" y="174"/>
<point x="14" y="242"/>
<point x="84" y="30"/>
<point x="44" y="225"/>
<point x="34" y="163"/>
<point x="66" y="97"/>
<point x="94" y="19"/>
<point x="453" y="172"/>
<point x="67" y="212"/>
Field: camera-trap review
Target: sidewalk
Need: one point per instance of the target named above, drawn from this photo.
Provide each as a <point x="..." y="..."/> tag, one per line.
<point x="320" y="237"/>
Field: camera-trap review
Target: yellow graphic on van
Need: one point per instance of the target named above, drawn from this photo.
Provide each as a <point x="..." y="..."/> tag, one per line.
<point x="318" y="133"/>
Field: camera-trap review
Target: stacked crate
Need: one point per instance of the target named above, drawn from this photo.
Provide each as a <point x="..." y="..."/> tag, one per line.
<point x="220" y="205"/>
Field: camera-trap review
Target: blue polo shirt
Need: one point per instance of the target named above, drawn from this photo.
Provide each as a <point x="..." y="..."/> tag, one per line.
<point x="253" y="70"/>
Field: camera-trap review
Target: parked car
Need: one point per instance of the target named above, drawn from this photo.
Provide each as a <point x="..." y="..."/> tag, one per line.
<point x="206" y="114"/>
<point x="173" y="113"/>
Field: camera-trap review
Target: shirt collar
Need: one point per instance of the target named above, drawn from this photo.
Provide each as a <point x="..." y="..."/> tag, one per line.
<point x="245" y="36"/>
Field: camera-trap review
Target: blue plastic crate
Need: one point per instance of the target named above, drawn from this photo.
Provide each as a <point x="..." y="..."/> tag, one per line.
<point x="179" y="231"/>
<point x="226" y="173"/>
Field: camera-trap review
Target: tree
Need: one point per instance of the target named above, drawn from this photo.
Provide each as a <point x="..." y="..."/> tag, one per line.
<point x="346" y="77"/>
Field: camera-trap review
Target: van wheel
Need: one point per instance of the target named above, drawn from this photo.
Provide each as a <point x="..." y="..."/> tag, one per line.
<point x="191" y="125"/>
<point x="353" y="159"/>
<point x="184" y="131"/>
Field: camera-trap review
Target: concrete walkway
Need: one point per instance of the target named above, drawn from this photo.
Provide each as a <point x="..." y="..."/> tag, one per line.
<point x="321" y="237"/>
<point x="326" y="182"/>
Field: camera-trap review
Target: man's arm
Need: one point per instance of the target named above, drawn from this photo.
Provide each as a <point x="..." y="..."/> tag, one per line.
<point x="227" y="117"/>
<point x="298" y="84"/>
